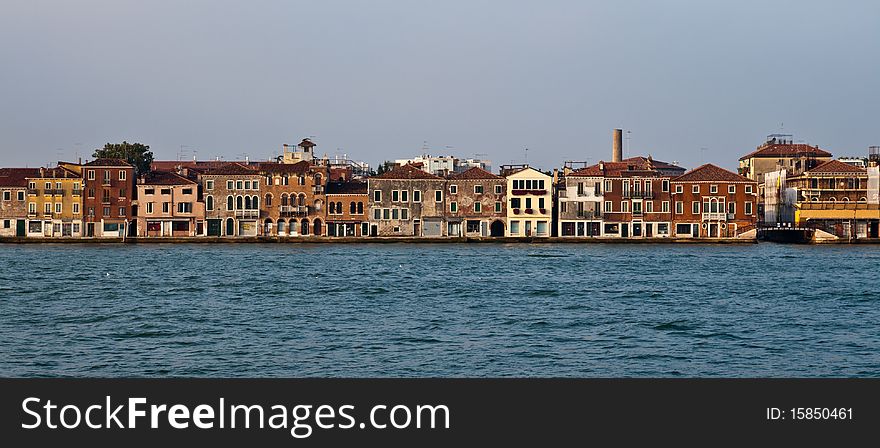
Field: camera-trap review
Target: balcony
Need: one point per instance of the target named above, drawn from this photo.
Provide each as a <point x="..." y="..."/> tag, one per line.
<point x="58" y="192"/>
<point x="638" y="212"/>
<point x="33" y="192"/>
<point x="289" y="211"/>
<point x="318" y="189"/>
<point x="529" y="192"/>
<point x="77" y="192"/>
<point x="247" y="214"/>
<point x="638" y="194"/>
<point x="716" y="216"/>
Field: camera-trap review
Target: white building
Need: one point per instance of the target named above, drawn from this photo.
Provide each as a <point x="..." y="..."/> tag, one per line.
<point x="529" y="203"/>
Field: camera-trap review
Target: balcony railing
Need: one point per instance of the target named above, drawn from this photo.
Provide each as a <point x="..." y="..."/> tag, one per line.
<point x="77" y="192"/>
<point x="247" y="214"/>
<point x="58" y="192"/>
<point x="715" y="216"/>
<point x="632" y="194"/>
<point x="318" y="189"/>
<point x="838" y="205"/>
<point x="288" y="210"/>
<point x="33" y="192"/>
<point x="527" y="192"/>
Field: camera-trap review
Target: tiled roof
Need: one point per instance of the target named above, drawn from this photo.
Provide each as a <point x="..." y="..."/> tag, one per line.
<point x="108" y="162"/>
<point x="286" y="168"/>
<point x="347" y="188"/>
<point x="232" y="169"/>
<point x="786" y="150"/>
<point x="710" y="173"/>
<point x="836" y="166"/>
<point x="407" y="172"/>
<point x="657" y="164"/>
<point x="611" y="169"/>
<point x="166" y="178"/>
<point x="17" y="177"/>
<point x="474" y="173"/>
<point x="173" y="165"/>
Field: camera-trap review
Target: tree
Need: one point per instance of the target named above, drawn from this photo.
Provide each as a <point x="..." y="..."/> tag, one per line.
<point x="136" y="154"/>
<point x="384" y="167"/>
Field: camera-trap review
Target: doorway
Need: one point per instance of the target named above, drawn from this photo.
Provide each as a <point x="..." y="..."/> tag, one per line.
<point x="20" y="228"/>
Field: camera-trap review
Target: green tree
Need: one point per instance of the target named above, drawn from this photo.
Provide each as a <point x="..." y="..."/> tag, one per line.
<point x="384" y="167"/>
<point x="136" y="154"/>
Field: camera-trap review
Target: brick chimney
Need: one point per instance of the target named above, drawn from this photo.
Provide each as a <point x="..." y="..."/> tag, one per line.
<point x="617" y="146"/>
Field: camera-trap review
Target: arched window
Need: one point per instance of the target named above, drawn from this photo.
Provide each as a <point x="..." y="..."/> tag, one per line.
<point x="360" y="208"/>
<point x="209" y="203"/>
<point x="304" y="229"/>
<point x="332" y="208"/>
<point x="845" y="199"/>
<point x="352" y="207"/>
<point x="318" y="179"/>
<point x="255" y="202"/>
<point x="302" y="180"/>
<point x="229" y="203"/>
<point x="302" y="199"/>
<point x="247" y="202"/>
<point x="285" y="180"/>
<point x="284" y="200"/>
<point x="863" y="199"/>
<point x="239" y="203"/>
<point x="268" y="200"/>
<point x="339" y="208"/>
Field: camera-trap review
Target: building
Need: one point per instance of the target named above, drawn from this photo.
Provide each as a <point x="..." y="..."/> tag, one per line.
<point x="232" y="200"/>
<point x="477" y="204"/>
<point x="109" y="187"/>
<point x="635" y="199"/>
<point x="579" y="197"/>
<point x="168" y="205"/>
<point x="437" y="165"/>
<point x="836" y="197"/>
<point x="13" y="200"/>
<point x="529" y="202"/>
<point x="347" y="208"/>
<point x="407" y="201"/>
<point x="779" y="152"/>
<point x="711" y="202"/>
<point x="55" y="204"/>
<point x="293" y="198"/>
<point x="303" y="152"/>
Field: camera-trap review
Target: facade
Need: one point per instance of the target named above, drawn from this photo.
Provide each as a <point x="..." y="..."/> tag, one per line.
<point x="579" y="203"/>
<point x="779" y="152"/>
<point x="711" y="202"/>
<point x="109" y="191"/>
<point x="407" y="201"/>
<point x="14" y="200"/>
<point x="636" y="201"/>
<point x="436" y="165"/>
<point x="232" y="196"/>
<point x="529" y="203"/>
<point x="476" y="204"/>
<point x="294" y="198"/>
<point x="55" y="204"/>
<point x="347" y="208"/>
<point x="168" y="205"/>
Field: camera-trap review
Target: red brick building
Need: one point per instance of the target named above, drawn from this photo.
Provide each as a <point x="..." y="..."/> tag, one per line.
<point x="109" y="187"/>
<point x="711" y="202"/>
<point x="347" y="209"/>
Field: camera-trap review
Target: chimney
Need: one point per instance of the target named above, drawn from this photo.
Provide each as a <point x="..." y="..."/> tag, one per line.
<point x="617" y="146"/>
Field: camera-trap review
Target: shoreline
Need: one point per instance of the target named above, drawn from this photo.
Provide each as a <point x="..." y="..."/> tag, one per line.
<point x="373" y="240"/>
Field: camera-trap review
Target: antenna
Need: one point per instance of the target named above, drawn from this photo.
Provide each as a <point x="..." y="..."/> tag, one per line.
<point x="628" y="147"/>
<point x="527" y="156"/>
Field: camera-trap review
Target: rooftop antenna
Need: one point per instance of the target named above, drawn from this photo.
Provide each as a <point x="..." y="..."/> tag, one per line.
<point x="180" y="152"/>
<point x="628" y="147"/>
<point x="527" y="156"/>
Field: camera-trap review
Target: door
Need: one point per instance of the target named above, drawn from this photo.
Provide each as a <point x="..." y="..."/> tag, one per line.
<point x="624" y="231"/>
<point x="20" y="228"/>
<point x="230" y="227"/>
<point x="213" y="227"/>
<point x="417" y="229"/>
<point x="90" y="230"/>
<point x="528" y="228"/>
<point x="649" y="229"/>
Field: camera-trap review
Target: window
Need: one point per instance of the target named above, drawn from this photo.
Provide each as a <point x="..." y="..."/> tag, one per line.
<point x="268" y="200"/>
<point x="209" y="185"/>
<point x="165" y="191"/>
<point x="239" y="185"/>
<point x="377" y="214"/>
<point x="664" y="186"/>
<point x="679" y="188"/>
<point x="105" y="195"/>
<point x="395" y="213"/>
<point x="529" y="203"/>
<point x="21" y="196"/>
<point x="76" y="208"/>
<point x="395" y="196"/>
<point x="386" y="213"/>
<point x="713" y="189"/>
<point x="57" y="207"/>
<point x="683" y="229"/>
<point x="247" y="185"/>
<point x="404" y="214"/>
<point x="695" y="207"/>
<point x="664" y="207"/>
<point x="731" y="208"/>
<point x="514" y="227"/>
<point x="453" y="189"/>
<point x="230" y="203"/>
<point x="478" y="189"/>
<point x="149" y="191"/>
<point x="150" y="206"/>
<point x="106" y="176"/>
<point x="122" y="175"/>
<point x="607" y="186"/>
<point x="438" y="195"/>
<point x="121" y="211"/>
<point x="695" y="189"/>
<point x="377" y="196"/>
<point x="255" y="185"/>
<point x="497" y="206"/>
<point x="7" y="223"/>
<point x="90" y="175"/>
<point x="48" y="187"/>
<point x="608" y="207"/>
<point x="541" y="203"/>
<point x="749" y="189"/>
<point x="478" y="207"/>
<point x="731" y="189"/>
<point x="184" y="207"/>
<point x="106" y="211"/>
<point x="748" y="208"/>
<point x="230" y="185"/>
<point x="7" y="195"/>
<point x="32" y="208"/>
<point x="453" y="207"/>
<point x="624" y="206"/>
<point x="515" y="203"/>
<point x="679" y="207"/>
<point x="498" y="189"/>
<point x="166" y="207"/>
<point x="649" y="206"/>
<point x="47" y="208"/>
<point x="417" y="196"/>
<point x="404" y="196"/>
<point x="580" y="189"/>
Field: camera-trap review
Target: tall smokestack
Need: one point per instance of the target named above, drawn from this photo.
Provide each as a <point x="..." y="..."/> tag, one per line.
<point x="617" y="146"/>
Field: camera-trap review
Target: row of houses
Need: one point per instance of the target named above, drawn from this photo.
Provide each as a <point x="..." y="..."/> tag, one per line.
<point x="300" y="195"/>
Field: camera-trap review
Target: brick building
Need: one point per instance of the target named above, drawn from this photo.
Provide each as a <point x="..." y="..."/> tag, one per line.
<point x="711" y="202"/>
<point x="294" y="198"/>
<point x="232" y="195"/>
<point x="347" y="208"/>
<point x="109" y="187"/>
<point x="477" y="204"/>
<point x="168" y="205"/>
<point x="407" y="201"/>
<point x="13" y="200"/>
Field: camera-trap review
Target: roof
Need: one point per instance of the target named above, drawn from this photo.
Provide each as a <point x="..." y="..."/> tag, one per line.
<point x="475" y="173"/>
<point x="232" y="169"/>
<point x="173" y="165"/>
<point x="17" y="177"/>
<point x="631" y="166"/>
<point x="347" y="188"/>
<point x="108" y="162"/>
<point x="657" y="164"/>
<point x="711" y="173"/>
<point x="406" y="172"/>
<point x="166" y="178"/>
<point x="776" y="150"/>
<point x="836" y="166"/>
<point x="286" y="168"/>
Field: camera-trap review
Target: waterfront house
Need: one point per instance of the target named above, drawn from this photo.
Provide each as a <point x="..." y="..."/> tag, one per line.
<point x="13" y="200"/>
<point x="347" y="208"/>
<point x="476" y="204"/>
<point x="294" y="197"/>
<point x="109" y="191"/>
<point x="529" y="201"/>
<point x="711" y="202"/>
<point x="407" y="201"/>
<point x="55" y="204"/>
<point x="635" y="199"/>
<point x="168" y="206"/>
<point x="579" y="197"/>
<point x="231" y="193"/>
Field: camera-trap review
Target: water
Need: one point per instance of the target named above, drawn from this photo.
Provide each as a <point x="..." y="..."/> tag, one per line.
<point x="439" y="310"/>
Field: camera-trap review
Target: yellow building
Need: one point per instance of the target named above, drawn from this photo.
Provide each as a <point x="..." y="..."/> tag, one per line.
<point x="529" y="202"/>
<point x="54" y="204"/>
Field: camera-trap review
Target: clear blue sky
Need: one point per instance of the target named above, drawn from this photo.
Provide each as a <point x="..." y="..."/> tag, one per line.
<point x="378" y="78"/>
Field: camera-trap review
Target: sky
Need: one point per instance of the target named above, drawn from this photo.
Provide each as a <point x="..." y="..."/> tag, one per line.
<point x="691" y="81"/>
